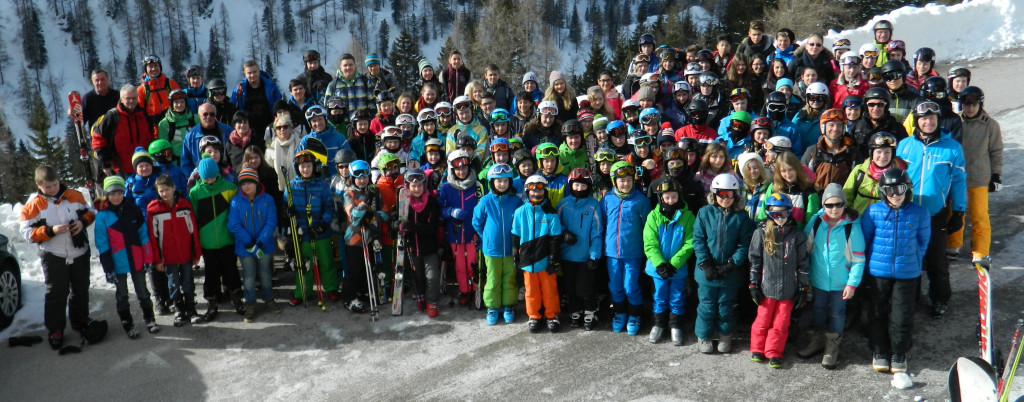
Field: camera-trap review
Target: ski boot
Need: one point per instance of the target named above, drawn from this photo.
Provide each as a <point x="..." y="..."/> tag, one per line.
<point x="492" y="317"/>
<point x="534" y="325"/>
<point x="554" y="325"/>
<point x="236" y="301"/>
<point x="576" y="319"/>
<point x="432" y="310"/>
<point x="211" y="311"/>
<point x="676" y="323"/>
<point x="128" y="324"/>
<point x="163" y="307"/>
<point x="619" y="322"/>
<point x="193" y="315"/>
<point x="150" y="320"/>
<point x="724" y="343"/>
<point x="633" y="325"/>
<point x="660" y="322"/>
<point x="181" y="314"/>
<point x="510" y="315"/>
<point x="56" y="339"/>
<point x="589" y="320"/>
<point x="249" y="313"/>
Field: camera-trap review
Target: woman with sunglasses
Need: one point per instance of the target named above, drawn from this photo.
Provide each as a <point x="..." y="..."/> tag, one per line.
<point x="861" y="185"/>
<point x="779" y="280"/>
<point x="790" y="178"/>
<point x="814" y="55"/>
<point x="625" y="211"/>
<point x="366" y="219"/>
<point x="721" y="238"/>
<point x="421" y="242"/>
<point x="458" y="197"/>
<point x="837" y="265"/>
<point x="897" y="232"/>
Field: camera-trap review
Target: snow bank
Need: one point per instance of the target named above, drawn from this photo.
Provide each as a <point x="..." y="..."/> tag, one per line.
<point x="963" y="31"/>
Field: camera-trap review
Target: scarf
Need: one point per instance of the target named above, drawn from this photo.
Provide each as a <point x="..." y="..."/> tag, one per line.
<point x="876" y="172"/>
<point x="281" y="153"/>
<point x="463" y="185"/>
<point x="419" y="203"/>
<point x="238" y="140"/>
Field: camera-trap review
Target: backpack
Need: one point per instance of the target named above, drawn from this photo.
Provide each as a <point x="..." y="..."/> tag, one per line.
<point x="815" y="223"/>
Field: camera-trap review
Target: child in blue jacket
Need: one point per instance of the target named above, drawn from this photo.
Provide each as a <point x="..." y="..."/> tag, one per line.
<point x="625" y="212"/>
<point x="122" y="239"/>
<point x="668" y="244"/>
<point x="837" y="264"/>
<point x="313" y="210"/>
<point x="252" y="219"/>
<point x="458" y="198"/>
<point x="492" y="218"/>
<point x="536" y="236"/>
<point x="580" y="213"/>
<point x="140" y="189"/>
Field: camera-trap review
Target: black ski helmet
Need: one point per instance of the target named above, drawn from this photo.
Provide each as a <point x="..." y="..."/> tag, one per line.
<point x="882" y="139"/>
<point x="217" y="83"/>
<point x="646" y="39"/>
<point x="972" y="95"/>
<point x="894" y="177"/>
<point x="877" y="93"/>
<point x="310" y="55"/>
<point x="688" y="144"/>
<point x="776" y="97"/>
<point x="935" y="88"/>
<point x="344" y="156"/>
<point x="697" y="105"/>
<point x="894" y="66"/>
<point x="959" y="71"/>
<point x="926" y="54"/>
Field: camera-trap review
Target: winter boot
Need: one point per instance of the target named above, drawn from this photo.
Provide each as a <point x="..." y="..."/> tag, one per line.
<point x="831" y="356"/>
<point x="633" y="325"/>
<point x="193" y="315"/>
<point x="163" y="307"/>
<point x="181" y="313"/>
<point x="576" y="319"/>
<point x="815" y="344"/>
<point x="249" y="313"/>
<point x="147" y="316"/>
<point x="56" y="339"/>
<point x="705" y="346"/>
<point x="660" y="322"/>
<point x="492" y="316"/>
<point x="128" y="324"/>
<point x="211" y="310"/>
<point x="356" y="306"/>
<point x="273" y="307"/>
<point x="510" y="315"/>
<point x="775" y="362"/>
<point x="619" y="322"/>
<point x="534" y="325"/>
<point x="554" y="325"/>
<point x="432" y="310"/>
<point x="236" y="301"/>
<point x="724" y="343"/>
<point x="676" y="323"/>
<point x="589" y="320"/>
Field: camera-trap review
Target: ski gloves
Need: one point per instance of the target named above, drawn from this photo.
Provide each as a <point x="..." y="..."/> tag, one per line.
<point x="756" y="294"/>
<point x="717" y="272"/>
<point x="111" y="278"/>
<point x="994" y="185"/>
<point x="666" y="270"/>
<point x="459" y="214"/>
<point x="956" y="222"/>
<point x="803" y="297"/>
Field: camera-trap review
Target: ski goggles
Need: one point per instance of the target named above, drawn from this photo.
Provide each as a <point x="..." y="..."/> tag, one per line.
<point x="550" y="111"/>
<point x="936" y="94"/>
<point x="415" y="177"/>
<point x="817" y="98"/>
<point x="870" y="53"/>
<point x="708" y="82"/>
<point x="337" y="103"/>
<point x="894" y="190"/>
<point x="390" y="132"/>
<point x="642" y="141"/>
<point x="725" y="194"/>
<point x="857" y="103"/>
<point x="630" y="110"/>
<point x="738" y="96"/>
<point x="896" y="45"/>
<point x="515" y="145"/>
<point x="150" y="59"/>
<point x="892" y="76"/>
<point x="549" y="152"/>
<point x="604" y="157"/>
<point x="536" y="186"/>
<point x="665" y="186"/>
<point x="652" y="78"/>
<point x="580" y="174"/>
<point x="193" y="71"/>
<point x="775" y="148"/>
<point x="837" y="205"/>
<point x="699" y="114"/>
<point x="776" y="214"/>
<point x="499" y="116"/>
<point x="501" y="169"/>
<point x="310" y="56"/>
<point x="642" y="58"/>
<point x="927" y="108"/>
<point x="499" y="147"/>
<point x="463" y="105"/>
<point x="218" y="92"/>
<point x="776" y="107"/>
<point x="762" y="122"/>
<point x="306" y="157"/>
<point x="460" y="162"/>
<point x="875" y="77"/>
<point x="359" y="173"/>
<point x="841" y="43"/>
<point x="652" y="118"/>
<point x="885" y="141"/>
<point x="738" y="125"/>
<point x="433" y="148"/>
<point x="443" y="111"/>
<point x="970" y="99"/>
<point x="627" y="171"/>
<point x="315" y="111"/>
<point x="675" y="153"/>
<point x="851" y="60"/>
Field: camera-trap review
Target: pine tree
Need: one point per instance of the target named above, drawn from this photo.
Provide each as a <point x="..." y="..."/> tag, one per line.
<point x="4" y="57"/>
<point x="611" y="39"/>
<point x="424" y="31"/>
<point x="596" y="62"/>
<point x="131" y="70"/>
<point x="268" y="66"/>
<point x="43" y="146"/>
<point x="383" y="40"/>
<point x="33" y="44"/>
<point x="405" y="57"/>
<point x="76" y="169"/>
<point x="271" y="34"/>
<point x="398" y="8"/>
<point x="225" y="34"/>
<point x="446" y="49"/>
<point x="575" y="28"/>
<point x="215" y="67"/>
<point x="288" y="31"/>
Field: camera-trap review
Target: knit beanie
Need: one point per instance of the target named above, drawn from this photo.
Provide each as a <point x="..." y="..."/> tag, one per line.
<point x="424" y="63"/>
<point x="530" y="76"/>
<point x="208" y="169"/>
<point x="647" y="92"/>
<point x="140" y="156"/>
<point x="112" y="184"/>
<point x="600" y="122"/>
<point x="248" y="174"/>
<point x="783" y="82"/>
<point x="555" y="76"/>
<point x="833" y="190"/>
<point x="371" y="59"/>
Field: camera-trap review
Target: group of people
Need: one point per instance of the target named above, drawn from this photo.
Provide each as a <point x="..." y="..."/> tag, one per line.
<point x="720" y="173"/>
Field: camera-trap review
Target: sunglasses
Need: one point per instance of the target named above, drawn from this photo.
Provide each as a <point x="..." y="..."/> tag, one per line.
<point x="281" y="128"/>
<point x="725" y="194"/>
<point x="853" y="103"/>
<point x="892" y="76"/>
<point x="891" y="191"/>
<point x="207" y="114"/>
<point x="837" y="205"/>
<point x="342" y="166"/>
<point x="499" y="147"/>
<point x="460" y="162"/>
<point x="642" y="141"/>
<point x="872" y="105"/>
<point x="871" y="53"/>
<point x="536" y="186"/>
<point x="550" y="111"/>
<point x="817" y="98"/>
<point x="926" y="107"/>
<point x="415" y="178"/>
<point x="812" y="44"/>
<point x="628" y="171"/>
<point x="360" y="173"/>
<point x="779" y="214"/>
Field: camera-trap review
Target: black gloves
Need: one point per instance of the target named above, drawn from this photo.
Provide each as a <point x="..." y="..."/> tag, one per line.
<point x="756" y="294"/>
<point x="666" y="270"/>
<point x="710" y="272"/>
<point x="592" y="265"/>
<point x="803" y="297"/>
<point x="290" y="212"/>
<point x="725" y="269"/>
<point x="995" y="184"/>
<point x="568" y="238"/>
<point x="250" y="245"/>
<point x="318" y="230"/>
<point x="553" y="266"/>
<point x="956" y="222"/>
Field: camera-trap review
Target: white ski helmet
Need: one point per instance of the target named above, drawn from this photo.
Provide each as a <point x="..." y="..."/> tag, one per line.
<point x="405" y="119"/>
<point x="390" y="132"/>
<point x="457" y="154"/>
<point x="725" y="181"/>
<point x="777" y="143"/>
<point x="536" y="179"/>
<point x="817" y="88"/>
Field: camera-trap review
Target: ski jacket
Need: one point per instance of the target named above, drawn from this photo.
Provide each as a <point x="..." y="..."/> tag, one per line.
<point x="937" y="170"/>
<point x="896" y="239"/>
<point x="760" y="50"/>
<point x="537" y="234"/>
<point x="822" y="64"/>
<point x="535" y="134"/>
<point x="492" y="218"/>
<point x="334" y="142"/>
<point x="782" y="274"/>
<point x="253" y="221"/>
<point x="141" y="190"/>
<point x="902" y="103"/>
<point x="384" y="81"/>
<point x="95" y="105"/>
<point x="721" y="235"/>
<point x="808" y="128"/>
<point x="830" y="167"/>
<point x="419" y="144"/>
<point x="624" y="215"/>
<point x="837" y="252"/>
<point x="536" y="95"/>
<point x="503" y="94"/>
<point x="450" y="198"/>
<point x="316" y="81"/>
<point x="983" y="149"/>
<point x="474" y="129"/>
<point x="122" y="238"/>
<point x="806" y="203"/>
<point x="669" y="239"/>
<point x="173" y="232"/>
<point x="177" y="175"/>
<point x="210" y="203"/>
<point x="582" y="218"/>
<point x="914" y="80"/>
<point x="676" y="115"/>
<point x="572" y="159"/>
<point x="417" y="88"/>
<point x="190" y="152"/>
<point x="388" y="187"/>
<point x="266" y="83"/>
<point x="861" y="187"/>
<point x="424" y="223"/>
<point x="454" y="81"/>
<point x="174" y="127"/>
<point x="718" y="108"/>
<point x="154" y="93"/>
<point x="864" y="128"/>
<point x="195" y="97"/>
<point x="314" y="206"/>
<point x="225" y="110"/>
<point x="365" y="212"/>
<point x="703" y="134"/>
<point x="839" y="89"/>
<point x="355" y="90"/>
<point x="41" y="213"/>
<point x="116" y="135"/>
<point x="786" y="55"/>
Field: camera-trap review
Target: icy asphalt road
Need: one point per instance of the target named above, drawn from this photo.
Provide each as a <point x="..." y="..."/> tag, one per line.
<point x="306" y="354"/>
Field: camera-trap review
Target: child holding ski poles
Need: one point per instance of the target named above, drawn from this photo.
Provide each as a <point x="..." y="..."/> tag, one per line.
<point x="252" y="220"/>
<point x="492" y="218"/>
<point x="778" y="279"/>
<point x="211" y="197"/>
<point x="310" y="203"/>
<point x="458" y="198"/>
<point x="421" y="240"/>
<point x="365" y="219"/>
<point x="174" y="244"/>
<point x="668" y="244"/>
<point x="123" y="243"/>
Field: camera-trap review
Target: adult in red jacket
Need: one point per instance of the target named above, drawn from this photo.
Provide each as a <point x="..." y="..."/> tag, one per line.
<point x="116" y="135"/>
<point x="155" y="89"/>
<point x="849" y="81"/>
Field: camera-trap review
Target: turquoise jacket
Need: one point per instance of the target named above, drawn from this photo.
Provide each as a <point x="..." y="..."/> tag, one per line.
<point x="537" y="232"/>
<point x="836" y="261"/>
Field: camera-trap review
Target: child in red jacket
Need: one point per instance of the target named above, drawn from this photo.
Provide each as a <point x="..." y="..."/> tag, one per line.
<point x="174" y="245"/>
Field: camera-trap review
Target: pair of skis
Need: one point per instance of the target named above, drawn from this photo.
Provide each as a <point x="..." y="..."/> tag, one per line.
<point x="75" y="103"/>
<point x="403" y="217"/>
